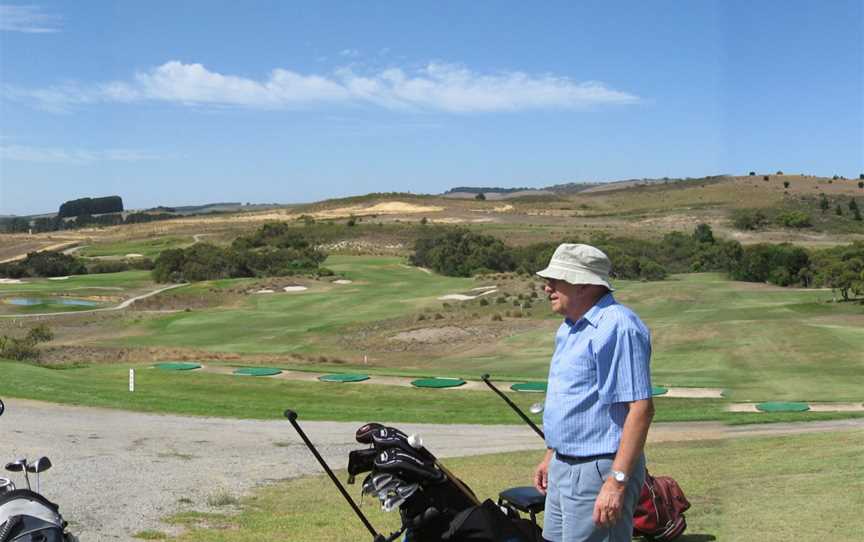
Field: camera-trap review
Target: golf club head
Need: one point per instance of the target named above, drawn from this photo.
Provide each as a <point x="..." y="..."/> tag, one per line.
<point x="363" y="435"/>
<point x="392" y="503"/>
<point x="389" y="489"/>
<point x="401" y="493"/>
<point x="40" y="465"/>
<point x="536" y="408"/>
<point x="374" y="482"/>
<point x="19" y="465"/>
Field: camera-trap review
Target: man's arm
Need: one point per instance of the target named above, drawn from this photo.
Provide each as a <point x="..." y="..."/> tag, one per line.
<point x="607" y="508"/>
<point x="541" y="473"/>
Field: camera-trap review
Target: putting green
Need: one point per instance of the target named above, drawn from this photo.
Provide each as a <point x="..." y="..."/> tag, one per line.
<point x="257" y="371"/>
<point x="532" y="387"/>
<point x="779" y="406"/>
<point x="343" y="378"/>
<point x="177" y="366"/>
<point x="659" y="390"/>
<point x="437" y="382"/>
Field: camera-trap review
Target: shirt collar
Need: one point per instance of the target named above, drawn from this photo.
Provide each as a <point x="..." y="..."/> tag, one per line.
<point x="595" y="313"/>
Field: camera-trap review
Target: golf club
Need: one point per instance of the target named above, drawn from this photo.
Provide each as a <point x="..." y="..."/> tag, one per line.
<point x="416" y="442"/>
<point x="38" y="467"/>
<point x="292" y="417"/>
<point x="516" y="409"/>
<point x="19" y="465"/>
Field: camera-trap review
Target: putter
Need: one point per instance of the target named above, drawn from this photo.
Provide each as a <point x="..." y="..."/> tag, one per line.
<point x="19" y="465"/>
<point x="38" y="467"/>
<point x="378" y="537"/>
<point x="516" y="409"/>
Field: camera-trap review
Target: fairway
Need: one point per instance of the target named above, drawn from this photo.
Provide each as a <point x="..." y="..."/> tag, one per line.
<point x="91" y="291"/>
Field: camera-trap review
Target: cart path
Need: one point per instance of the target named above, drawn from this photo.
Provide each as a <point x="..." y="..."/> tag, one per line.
<point x="121" y="306"/>
<point x="117" y="473"/>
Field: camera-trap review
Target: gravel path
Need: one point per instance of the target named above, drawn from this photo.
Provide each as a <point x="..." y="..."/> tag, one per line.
<point x="117" y="473"/>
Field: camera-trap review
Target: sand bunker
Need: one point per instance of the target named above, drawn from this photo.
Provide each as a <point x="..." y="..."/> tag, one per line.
<point x="11" y="281"/>
<point x="58" y="278"/>
<point x="343" y="281"/>
<point x="463" y="297"/>
<point x="295" y="288"/>
<point x="265" y="291"/>
<point x="134" y="255"/>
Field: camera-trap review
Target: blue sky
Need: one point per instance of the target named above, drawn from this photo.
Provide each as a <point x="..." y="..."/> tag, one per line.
<point x="187" y="102"/>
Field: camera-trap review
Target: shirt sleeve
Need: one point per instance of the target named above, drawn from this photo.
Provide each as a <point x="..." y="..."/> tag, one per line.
<point x="623" y="367"/>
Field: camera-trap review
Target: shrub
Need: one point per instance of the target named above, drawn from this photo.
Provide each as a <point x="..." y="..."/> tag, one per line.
<point x="480" y="196"/>
<point x="785" y="184"/>
<point x="483" y="301"/>
<point x="749" y="219"/>
<point x="496" y="317"/>
<point x="794" y="219"/>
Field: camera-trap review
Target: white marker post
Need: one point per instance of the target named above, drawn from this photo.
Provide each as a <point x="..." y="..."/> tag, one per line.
<point x="131" y="379"/>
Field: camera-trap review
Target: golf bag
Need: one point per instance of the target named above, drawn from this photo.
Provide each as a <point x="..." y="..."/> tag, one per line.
<point x="434" y="505"/>
<point x="659" y="515"/>
<point x="26" y="516"/>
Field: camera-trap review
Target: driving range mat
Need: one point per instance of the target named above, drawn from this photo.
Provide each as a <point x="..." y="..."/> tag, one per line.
<point x="177" y="366"/>
<point x="257" y="371"/>
<point x="779" y="406"/>
<point x="533" y="387"/>
<point x="346" y="377"/>
<point x="437" y="382"/>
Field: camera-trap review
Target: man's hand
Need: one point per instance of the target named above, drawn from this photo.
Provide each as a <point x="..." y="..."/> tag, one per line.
<point x="609" y="503"/>
<point x="541" y="474"/>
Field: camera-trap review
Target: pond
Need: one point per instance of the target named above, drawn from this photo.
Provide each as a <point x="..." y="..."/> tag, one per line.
<point x="32" y="301"/>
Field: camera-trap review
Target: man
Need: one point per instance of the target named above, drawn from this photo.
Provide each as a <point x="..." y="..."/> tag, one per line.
<point x="598" y="404"/>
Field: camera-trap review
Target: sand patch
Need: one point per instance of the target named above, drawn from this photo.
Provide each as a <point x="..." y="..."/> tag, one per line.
<point x="265" y="291"/>
<point x="58" y="278"/>
<point x="386" y="208"/>
<point x="432" y="335"/>
<point x="463" y="297"/>
<point x="295" y="288"/>
<point x="134" y="255"/>
<point x="11" y="281"/>
<point x="503" y="208"/>
<point x="483" y="288"/>
<point x="427" y="271"/>
<point x="343" y="281"/>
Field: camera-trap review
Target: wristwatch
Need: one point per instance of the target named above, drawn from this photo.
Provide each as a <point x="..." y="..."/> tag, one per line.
<point x="619" y="476"/>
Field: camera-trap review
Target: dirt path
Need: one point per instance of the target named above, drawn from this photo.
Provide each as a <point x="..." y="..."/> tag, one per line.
<point x="117" y="473"/>
<point x="121" y="306"/>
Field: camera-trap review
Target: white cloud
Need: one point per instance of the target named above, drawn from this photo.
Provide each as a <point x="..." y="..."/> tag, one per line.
<point x="435" y="87"/>
<point x="72" y="156"/>
<point x="29" y="19"/>
<point x="350" y="53"/>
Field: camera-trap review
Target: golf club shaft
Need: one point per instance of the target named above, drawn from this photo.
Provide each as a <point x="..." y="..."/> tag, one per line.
<point x="458" y="483"/>
<point x="292" y="417"/>
<point x="485" y="378"/>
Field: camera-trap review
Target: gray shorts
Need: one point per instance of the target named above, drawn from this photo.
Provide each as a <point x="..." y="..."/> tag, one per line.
<point x="572" y="491"/>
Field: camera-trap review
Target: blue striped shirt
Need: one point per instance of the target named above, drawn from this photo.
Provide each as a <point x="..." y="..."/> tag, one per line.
<point x="600" y="363"/>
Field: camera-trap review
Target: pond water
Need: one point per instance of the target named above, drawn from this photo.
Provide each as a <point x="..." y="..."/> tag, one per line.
<point x="31" y="301"/>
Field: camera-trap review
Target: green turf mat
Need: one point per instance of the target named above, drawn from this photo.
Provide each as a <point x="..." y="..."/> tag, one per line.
<point x="343" y="378"/>
<point x="177" y="366"/>
<point x="535" y="387"/>
<point x="659" y="390"/>
<point x="257" y="371"/>
<point x="779" y="406"/>
<point x="437" y="382"/>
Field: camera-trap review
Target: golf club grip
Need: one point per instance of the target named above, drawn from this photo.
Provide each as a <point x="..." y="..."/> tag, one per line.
<point x="292" y="417"/>
<point x="526" y="419"/>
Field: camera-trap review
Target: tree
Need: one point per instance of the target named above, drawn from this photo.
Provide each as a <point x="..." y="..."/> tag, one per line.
<point x="838" y="210"/>
<point x="860" y="184"/>
<point x="823" y="203"/>
<point x="794" y="219"/>
<point x="785" y="184"/>
<point x="749" y="219"/>
<point x="703" y="234"/>
<point x="752" y="173"/>
<point x="779" y="172"/>
<point x="480" y="196"/>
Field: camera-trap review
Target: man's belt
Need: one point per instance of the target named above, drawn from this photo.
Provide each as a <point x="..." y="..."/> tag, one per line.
<point x="582" y="459"/>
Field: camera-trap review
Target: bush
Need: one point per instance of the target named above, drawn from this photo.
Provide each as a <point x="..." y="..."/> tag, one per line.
<point x="496" y="317"/>
<point x="44" y="264"/>
<point x="107" y="266"/>
<point x="461" y="253"/>
<point x="785" y="184"/>
<point x="749" y="219"/>
<point x="483" y="301"/>
<point x="794" y="219"/>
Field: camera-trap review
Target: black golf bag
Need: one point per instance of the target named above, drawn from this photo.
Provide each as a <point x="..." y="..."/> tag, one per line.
<point x="26" y="516"/>
<point x="434" y="505"/>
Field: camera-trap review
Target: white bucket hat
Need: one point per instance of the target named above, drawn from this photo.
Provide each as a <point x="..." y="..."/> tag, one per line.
<point x="579" y="264"/>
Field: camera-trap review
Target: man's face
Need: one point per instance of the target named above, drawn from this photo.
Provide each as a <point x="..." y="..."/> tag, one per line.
<point x="562" y="295"/>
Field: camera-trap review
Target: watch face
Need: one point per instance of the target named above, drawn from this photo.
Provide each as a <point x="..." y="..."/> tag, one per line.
<point x="620" y="476"/>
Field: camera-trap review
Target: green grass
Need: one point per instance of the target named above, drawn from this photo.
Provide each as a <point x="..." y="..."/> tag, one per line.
<point x="76" y="284"/>
<point x="207" y="394"/>
<point x="149" y="248"/>
<point x="283" y="323"/>
<point x="755" y="489"/>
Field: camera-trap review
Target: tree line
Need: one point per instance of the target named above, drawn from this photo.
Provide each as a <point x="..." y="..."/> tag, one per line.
<point x="460" y="252"/>
<point x="57" y="223"/>
<point x="275" y="249"/>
